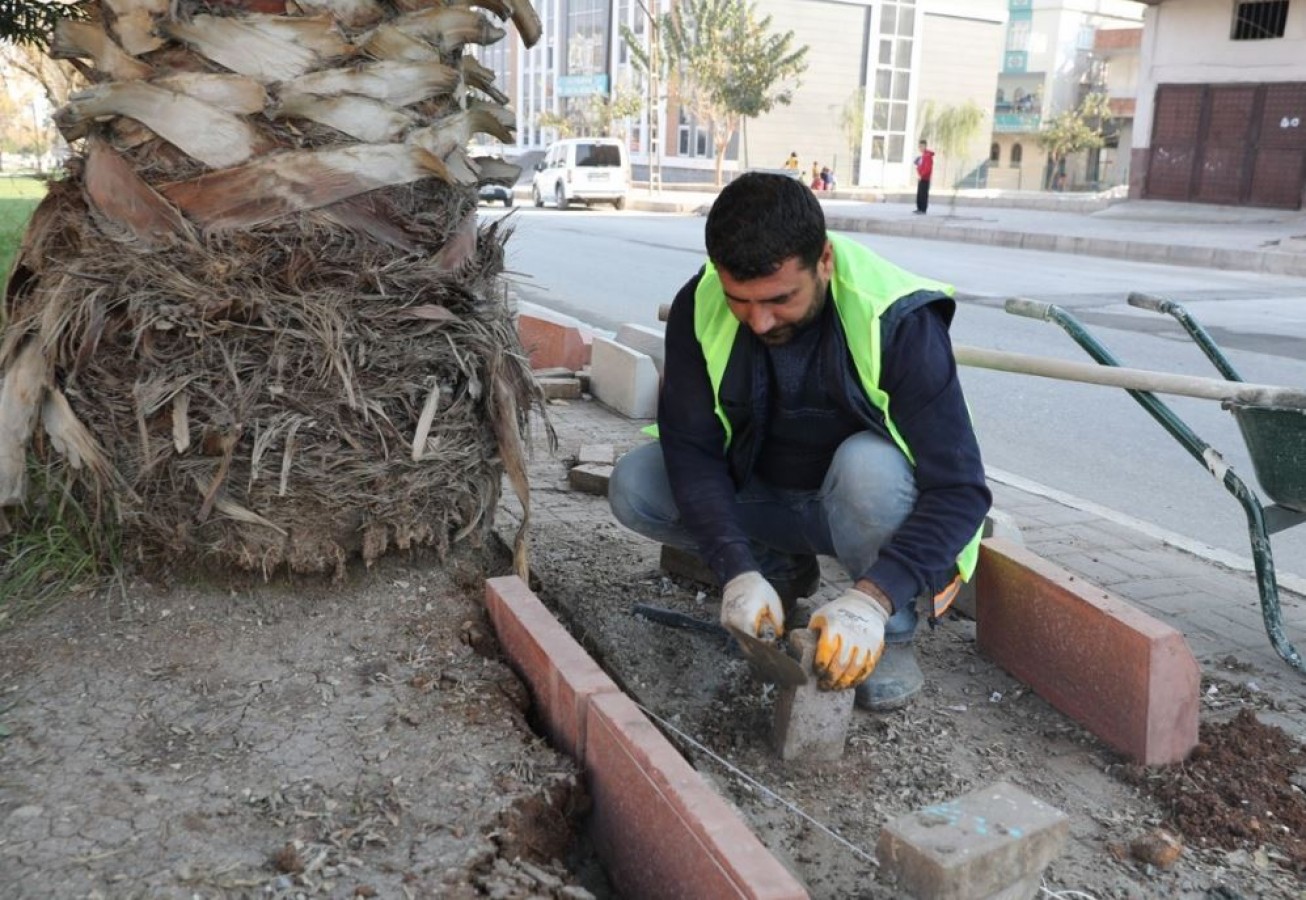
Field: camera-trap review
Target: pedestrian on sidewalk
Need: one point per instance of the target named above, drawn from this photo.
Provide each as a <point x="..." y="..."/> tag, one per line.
<point x="818" y="183"/>
<point x="832" y="423"/>
<point x="792" y="165"/>
<point x="924" y="172"/>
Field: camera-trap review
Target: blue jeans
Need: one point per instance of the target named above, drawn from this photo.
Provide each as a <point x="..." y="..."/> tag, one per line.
<point x="867" y="494"/>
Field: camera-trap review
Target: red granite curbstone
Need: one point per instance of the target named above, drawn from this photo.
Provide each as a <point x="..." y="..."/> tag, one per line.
<point x="550" y="343"/>
<point x="660" y="830"/>
<point x="1125" y="676"/>
<point x="561" y="675"/>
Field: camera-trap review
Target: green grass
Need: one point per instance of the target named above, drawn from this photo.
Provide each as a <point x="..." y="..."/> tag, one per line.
<point x="18" y="197"/>
<point x="54" y="548"/>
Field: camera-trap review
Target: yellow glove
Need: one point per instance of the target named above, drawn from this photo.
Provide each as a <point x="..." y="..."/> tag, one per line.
<point x="749" y="603"/>
<point x="851" y="639"/>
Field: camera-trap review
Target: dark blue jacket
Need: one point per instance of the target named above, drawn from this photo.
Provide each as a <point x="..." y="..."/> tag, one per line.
<point x="919" y="374"/>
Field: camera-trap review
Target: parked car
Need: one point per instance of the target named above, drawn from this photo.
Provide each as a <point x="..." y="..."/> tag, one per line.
<point x="583" y="170"/>
<point x="492" y="192"/>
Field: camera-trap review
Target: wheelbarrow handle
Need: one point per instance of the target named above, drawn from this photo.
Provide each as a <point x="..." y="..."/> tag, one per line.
<point x="1147" y="301"/>
<point x="1030" y="309"/>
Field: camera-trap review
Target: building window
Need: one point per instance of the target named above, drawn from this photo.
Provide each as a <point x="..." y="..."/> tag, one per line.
<point x="1017" y="154"/>
<point x="995" y="153"/>
<point x="1255" y="20"/>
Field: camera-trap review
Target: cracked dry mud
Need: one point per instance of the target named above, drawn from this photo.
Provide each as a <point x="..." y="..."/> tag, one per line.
<point x="357" y="740"/>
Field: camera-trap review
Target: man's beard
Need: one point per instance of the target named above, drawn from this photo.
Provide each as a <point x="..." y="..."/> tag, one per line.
<point x="783" y="334"/>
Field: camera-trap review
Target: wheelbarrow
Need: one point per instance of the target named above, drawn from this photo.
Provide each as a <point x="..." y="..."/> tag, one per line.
<point x="1272" y="421"/>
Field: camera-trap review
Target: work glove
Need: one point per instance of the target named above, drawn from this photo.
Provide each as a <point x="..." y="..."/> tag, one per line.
<point x="750" y="604"/>
<point x="851" y="639"/>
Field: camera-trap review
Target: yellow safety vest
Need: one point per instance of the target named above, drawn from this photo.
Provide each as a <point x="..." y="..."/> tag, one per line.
<point x="864" y="285"/>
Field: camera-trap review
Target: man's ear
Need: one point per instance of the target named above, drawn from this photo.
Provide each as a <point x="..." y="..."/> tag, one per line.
<point x="825" y="265"/>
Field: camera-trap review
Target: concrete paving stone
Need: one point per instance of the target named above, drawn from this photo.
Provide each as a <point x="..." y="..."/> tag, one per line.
<point x="1056" y="514"/>
<point x="1246" y="628"/>
<point x="685" y="564"/>
<point x="809" y="724"/>
<point x="1122" y="562"/>
<point x="1124" y="675"/>
<point x="993" y="842"/>
<point x="1089" y="567"/>
<point x="659" y="829"/>
<point x="1170" y="561"/>
<point x="590" y="479"/>
<point x="596" y="454"/>
<point x="559" y="387"/>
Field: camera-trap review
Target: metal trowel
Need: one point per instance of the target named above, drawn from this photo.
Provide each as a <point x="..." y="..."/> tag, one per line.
<point x="768" y="660"/>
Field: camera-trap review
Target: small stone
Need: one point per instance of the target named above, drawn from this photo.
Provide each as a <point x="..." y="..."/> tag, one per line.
<point x="27" y="812"/>
<point x="1157" y="848"/>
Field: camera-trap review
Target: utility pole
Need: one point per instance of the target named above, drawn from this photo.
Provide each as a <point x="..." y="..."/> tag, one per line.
<point x="655" y="97"/>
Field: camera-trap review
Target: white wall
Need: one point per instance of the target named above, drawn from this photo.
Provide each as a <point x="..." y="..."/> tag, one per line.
<point x="835" y="35"/>
<point x="960" y="61"/>
<point x="1188" y="43"/>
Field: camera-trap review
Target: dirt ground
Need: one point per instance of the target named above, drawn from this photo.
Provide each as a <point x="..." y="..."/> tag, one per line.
<point x="974" y="725"/>
<point x="285" y="740"/>
<point x="365" y="739"/>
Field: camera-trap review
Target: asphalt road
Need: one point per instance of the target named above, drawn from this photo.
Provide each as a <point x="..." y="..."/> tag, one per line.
<point x="1093" y="443"/>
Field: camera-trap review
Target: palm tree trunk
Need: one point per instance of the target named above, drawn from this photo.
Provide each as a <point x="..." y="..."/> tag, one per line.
<point x="263" y="268"/>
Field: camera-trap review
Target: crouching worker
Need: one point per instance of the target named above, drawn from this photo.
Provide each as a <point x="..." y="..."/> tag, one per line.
<point x="810" y="406"/>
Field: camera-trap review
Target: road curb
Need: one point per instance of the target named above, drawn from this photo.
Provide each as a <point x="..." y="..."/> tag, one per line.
<point x="1261" y="261"/>
<point x="1265" y="262"/>
<point x="659" y="829"/>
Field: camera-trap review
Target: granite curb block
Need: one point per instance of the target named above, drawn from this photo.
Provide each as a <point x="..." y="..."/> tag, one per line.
<point x="1125" y="676"/>
<point x="658" y="828"/>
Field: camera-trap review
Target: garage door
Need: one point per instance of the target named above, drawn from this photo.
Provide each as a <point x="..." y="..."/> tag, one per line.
<point x="1229" y="144"/>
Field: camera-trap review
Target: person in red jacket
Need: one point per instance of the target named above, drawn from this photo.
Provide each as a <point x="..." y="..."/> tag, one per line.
<point x="924" y="170"/>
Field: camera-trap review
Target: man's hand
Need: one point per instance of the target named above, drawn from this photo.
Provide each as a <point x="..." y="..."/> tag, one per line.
<point x="851" y="639"/>
<point x="749" y="603"/>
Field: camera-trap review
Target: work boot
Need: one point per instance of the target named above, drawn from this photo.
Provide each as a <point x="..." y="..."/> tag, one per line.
<point x="804" y="581"/>
<point x="896" y="680"/>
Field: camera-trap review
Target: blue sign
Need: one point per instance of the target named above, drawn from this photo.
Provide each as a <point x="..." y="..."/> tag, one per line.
<point x="582" y="85"/>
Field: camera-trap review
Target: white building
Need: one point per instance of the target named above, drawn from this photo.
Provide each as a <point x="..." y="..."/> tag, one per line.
<point x="888" y="56"/>
<point x="1222" y="103"/>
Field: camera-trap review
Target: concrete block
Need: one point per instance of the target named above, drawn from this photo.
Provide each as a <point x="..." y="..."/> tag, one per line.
<point x="647" y="339"/>
<point x="552" y="344"/>
<point x="810" y="724"/>
<point x="660" y="831"/>
<point x="559" y="388"/>
<point x="996" y="524"/>
<point x="596" y="454"/>
<point x="624" y="379"/>
<point x="1125" y="676"/>
<point x="553" y="372"/>
<point x="686" y="564"/>
<point x="561" y="676"/>
<point x="590" y="479"/>
<point x="992" y="843"/>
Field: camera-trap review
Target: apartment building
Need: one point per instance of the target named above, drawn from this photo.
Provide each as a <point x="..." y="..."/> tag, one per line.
<point x="1057" y="51"/>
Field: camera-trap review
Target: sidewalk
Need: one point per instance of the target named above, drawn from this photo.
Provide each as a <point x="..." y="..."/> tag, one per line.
<point x="1216" y="608"/>
<point x="1218" y="237"/>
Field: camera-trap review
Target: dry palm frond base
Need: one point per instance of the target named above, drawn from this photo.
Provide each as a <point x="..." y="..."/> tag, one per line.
<point x="284" y="397"/>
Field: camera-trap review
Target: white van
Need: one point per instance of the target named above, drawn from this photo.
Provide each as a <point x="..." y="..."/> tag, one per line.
<point x="585" y="170"/>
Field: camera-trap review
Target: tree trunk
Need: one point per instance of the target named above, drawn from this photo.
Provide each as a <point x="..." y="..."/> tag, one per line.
<point x="276" y="333"/>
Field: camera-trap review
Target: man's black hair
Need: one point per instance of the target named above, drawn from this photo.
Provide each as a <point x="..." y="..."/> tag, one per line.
<point x="760" y="220"/>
